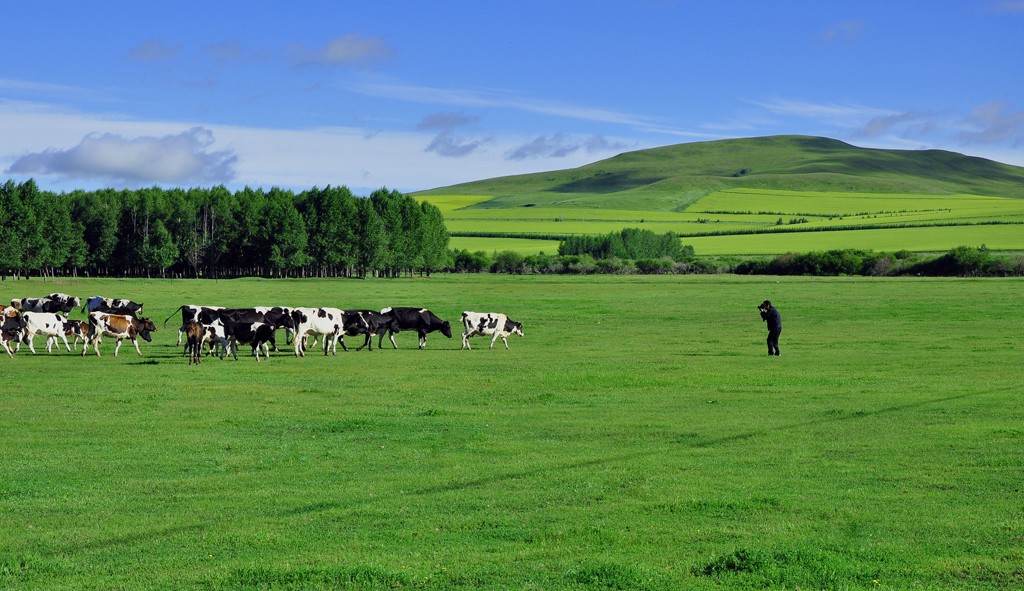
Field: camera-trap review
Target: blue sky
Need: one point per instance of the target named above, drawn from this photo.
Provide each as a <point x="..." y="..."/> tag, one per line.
<point x="416" y="95"/>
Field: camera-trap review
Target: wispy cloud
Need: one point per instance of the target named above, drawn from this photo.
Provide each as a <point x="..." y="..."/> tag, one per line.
<point x="559" y="145"/>
<point x="182" y="158"/>
<point x="447" y="142"/>
<point x="225" y="52"/>
<point x="28" y="88"/>
<point x="154" y="50"/>
<point x="1009" y="6"/>
<point x="843" y="31"/>
<point x="352" y="49"/>
<point x="994" y="123"/>
<point x="500" y="99"/>
<point x="845" y="115"/>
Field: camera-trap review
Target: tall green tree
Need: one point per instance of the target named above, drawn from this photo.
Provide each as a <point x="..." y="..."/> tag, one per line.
<point x="435" y="239"/>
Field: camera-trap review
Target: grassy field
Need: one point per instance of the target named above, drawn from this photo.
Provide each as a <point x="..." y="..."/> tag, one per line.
<point x="637" y="437"/>
<point x="827" y="221"/>
<point x="755" y="184"/>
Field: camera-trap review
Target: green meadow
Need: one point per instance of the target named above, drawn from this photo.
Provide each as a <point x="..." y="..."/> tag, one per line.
<point x="637" y="437"/>
<point x="750" y="191"/>
<point x="810" y="221"/>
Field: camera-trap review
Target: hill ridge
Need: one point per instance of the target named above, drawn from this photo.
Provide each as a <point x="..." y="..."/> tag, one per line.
<point x="671" y="178"/>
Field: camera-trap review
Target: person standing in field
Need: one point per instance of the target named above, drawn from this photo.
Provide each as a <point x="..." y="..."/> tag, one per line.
<point x="771" y="315"/>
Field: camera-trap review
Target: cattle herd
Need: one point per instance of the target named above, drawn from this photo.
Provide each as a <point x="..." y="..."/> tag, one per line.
<point x="219" y="330"/>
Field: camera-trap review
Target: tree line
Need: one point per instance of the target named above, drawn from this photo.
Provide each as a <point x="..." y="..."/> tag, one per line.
<point x="212" y="232"/>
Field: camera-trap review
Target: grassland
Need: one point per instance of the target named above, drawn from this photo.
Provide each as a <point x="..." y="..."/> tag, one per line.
<point x="749" y="189"/>
<point x="636" y="438"/>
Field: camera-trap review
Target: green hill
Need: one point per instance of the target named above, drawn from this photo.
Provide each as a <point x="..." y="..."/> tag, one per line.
<point x="672" y="178"/>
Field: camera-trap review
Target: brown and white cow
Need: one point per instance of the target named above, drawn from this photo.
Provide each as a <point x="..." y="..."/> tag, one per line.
<point x="120" y="327"/>
<point x="490" y="323"/>
<point x="12" y="327"/>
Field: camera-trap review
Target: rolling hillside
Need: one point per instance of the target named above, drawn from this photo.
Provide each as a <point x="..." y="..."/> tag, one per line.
<point x="672" y="178"/>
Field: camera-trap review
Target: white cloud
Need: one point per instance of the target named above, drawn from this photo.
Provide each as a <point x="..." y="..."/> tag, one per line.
<point x="361" y="158"/>
<point x="178" y="159"/>
<point x="347" y="50"/>
<point x="500" y="99"/>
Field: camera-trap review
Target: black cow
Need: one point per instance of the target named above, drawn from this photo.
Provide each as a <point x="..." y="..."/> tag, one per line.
<point x="421" y="320"/>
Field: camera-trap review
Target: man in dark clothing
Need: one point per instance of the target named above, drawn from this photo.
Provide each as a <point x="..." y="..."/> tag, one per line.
<point x="771" y="315"/>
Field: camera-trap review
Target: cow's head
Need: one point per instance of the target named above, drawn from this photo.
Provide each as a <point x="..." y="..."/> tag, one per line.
<point x="284" y="321"/>
<point x="513" y="327"/>
<point x="298" y="318"/>
<point x="146" y="326"/>
<point x="446" y="329"/>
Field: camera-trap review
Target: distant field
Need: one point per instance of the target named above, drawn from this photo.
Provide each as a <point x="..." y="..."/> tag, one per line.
<point x="883" y="450"/>
<point x="945" y="221"/>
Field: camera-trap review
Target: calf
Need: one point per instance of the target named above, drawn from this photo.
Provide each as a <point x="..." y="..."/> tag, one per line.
<point x="119" y="326"/>
<point x="421" y="320"/>
<point x="50" y="325"/>
<point x="496" y="324"/>
<point x="194" y="337"/>
<point x="123" y="306"/>
<point x="317" y="321"/>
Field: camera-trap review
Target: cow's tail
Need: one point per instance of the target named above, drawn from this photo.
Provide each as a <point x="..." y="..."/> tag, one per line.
<point x="173" y="313"/>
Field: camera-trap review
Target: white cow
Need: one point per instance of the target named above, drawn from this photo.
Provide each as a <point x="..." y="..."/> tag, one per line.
<point x="49" y="325"/>
<point x="317" y="321"/>
<point x="489" y="323"/>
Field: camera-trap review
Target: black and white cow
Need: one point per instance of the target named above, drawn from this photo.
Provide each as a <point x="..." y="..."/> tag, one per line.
<point x="112" y="306"/>
<point x="189" y="313"/>
<point x="41" y="305"/>
<point x="490" y="323"/>
<point x="52" y="326"/>
<point x="67" y="302"/>
<point x="369" y="323"/>
<point x="315" y="322"/>
<point x="256" y="334"/>
<point x="421" y="320"/>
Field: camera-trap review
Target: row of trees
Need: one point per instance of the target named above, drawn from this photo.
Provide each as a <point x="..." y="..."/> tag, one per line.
<point x="215" y="233"/>
<point x="629" y="243"/>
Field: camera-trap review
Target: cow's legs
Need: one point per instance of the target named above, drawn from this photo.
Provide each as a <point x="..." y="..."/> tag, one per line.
<point x="66" y="344"/>
<point x="136" y="343"/>
<point x="465" y="342"/>
<point x="423" y="339"/>
<point x="31" y="343"/>
<point x="504" y="340"/>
